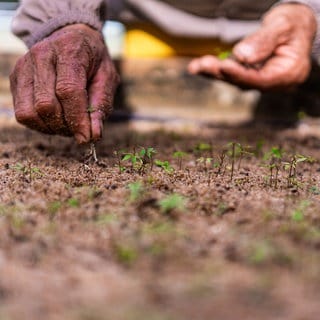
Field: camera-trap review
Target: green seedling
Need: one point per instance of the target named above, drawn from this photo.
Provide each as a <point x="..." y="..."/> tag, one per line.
<point x="140" y="159"/>
<point x="207" y="164"/>
<point x="54" y="207"/>
<point x="274" y="168"/>
<point x="165" y="165"/>
<point x="180" y="155"/>
<point x="17" y="222"/>
<point x="259" y="147"/>
<point x="203" y="147"/>
<point x="221" y="209"/>
<point x="106" y="219"/>
<point x="236" y="151"/>
<point x="172" y="202"/>
<point x="299" y="214"/>
<point x="225" y="55"/>
<point x="147" y="156"/>
<point x="94" y="193"/>
<point x="118" y="154"/>
<point x="136" y="191"/>
<point x="291" y="167"/>
<point x="73" y="203"/>
<point x="232" y="154"/>
<point x="241" y="152"/>
<point x="274" y="156"/>
<point x="274" y="152"/>
<point x="159" y="228"/>
<point x="220" y="164"/>
<point x="28" y="171"/>
<point x="314" y="190"/>
<point x="134" y="159"/>
<point x="126" y="255"/>
<point x="261" y="252"/>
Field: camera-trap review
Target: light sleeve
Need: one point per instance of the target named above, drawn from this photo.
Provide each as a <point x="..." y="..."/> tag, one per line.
<point x="37" y="19"/>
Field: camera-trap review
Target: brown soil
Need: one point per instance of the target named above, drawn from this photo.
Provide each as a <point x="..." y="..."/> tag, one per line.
<point x="76" y="243"/>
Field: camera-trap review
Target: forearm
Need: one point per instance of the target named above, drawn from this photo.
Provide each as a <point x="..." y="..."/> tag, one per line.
<point x="36" y="19"/>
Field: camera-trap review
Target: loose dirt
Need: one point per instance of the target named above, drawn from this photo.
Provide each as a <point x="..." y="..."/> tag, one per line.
<point x="113" y="239"/>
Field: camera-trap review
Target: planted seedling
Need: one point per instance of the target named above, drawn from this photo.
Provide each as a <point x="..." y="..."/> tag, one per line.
<point x="232" y="154"/>
<point x="92" y="157"/>
<point x="118" y="154"/>
<point x="53" y="208"/>
<point x="29" y="172"/>
<point x="203" y="147"/>
<point x="136" y="191"/>
<point x="274" y="156"/>
<point x="93" y="152"/>
<point x="299" y="214"/>
<point x="258" y="149"/>
<point x="165" y="165"/>
<point x="207" y="164"/>
<point x="125" y="254"/>
<point x="106" y="219"/>
<point x="172" y="202"/>
<point x="73" y="203"/>
<point x="291" y="167"/>
<point x="314" y="190"/>
<point x="220" y="164"/>
<point x="134" y="159"/>
<point x="180" y="155"/>
<point x="147" y="156"/>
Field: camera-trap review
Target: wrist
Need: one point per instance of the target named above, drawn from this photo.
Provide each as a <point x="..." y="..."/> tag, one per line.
<point x="72" y="18"/>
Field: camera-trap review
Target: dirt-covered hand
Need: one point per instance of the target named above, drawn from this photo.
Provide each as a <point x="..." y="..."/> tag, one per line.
<point x="276" y="56"/>
<point x="65" y="84"/>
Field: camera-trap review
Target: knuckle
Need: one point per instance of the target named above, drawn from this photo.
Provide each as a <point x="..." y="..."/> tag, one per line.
<point x="41" y="53"/>
<point x="67" y="89"/>
<point x="44" y="105"/>
<point x="20" y="67"/>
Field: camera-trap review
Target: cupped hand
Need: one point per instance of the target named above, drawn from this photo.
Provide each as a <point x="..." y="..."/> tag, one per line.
<point x="276" y="56"/>
<point x="65" y="84"/>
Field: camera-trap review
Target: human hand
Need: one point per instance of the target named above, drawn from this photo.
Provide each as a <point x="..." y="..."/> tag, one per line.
<point x="276" y="56"/>
<point x="65" y="84"/>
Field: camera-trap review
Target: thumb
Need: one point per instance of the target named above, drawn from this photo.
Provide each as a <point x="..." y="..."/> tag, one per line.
<point x="259" y="46"/>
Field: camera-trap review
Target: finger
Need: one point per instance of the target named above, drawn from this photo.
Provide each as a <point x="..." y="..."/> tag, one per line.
<point x="276" y="73"/>
<point x="206" y="64"/>
<point x="101" y="94"/>
<point x="22" y="85"/>
<point x="46" y="103"/>
<point x="72" y="94"/>
<point x="259" y="46"/>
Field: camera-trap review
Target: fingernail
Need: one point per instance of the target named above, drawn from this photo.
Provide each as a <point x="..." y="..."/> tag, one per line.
<point x="244" y="50"/>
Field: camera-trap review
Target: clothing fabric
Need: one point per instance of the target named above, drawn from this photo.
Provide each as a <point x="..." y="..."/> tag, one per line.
<point x="228" y="20"/>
